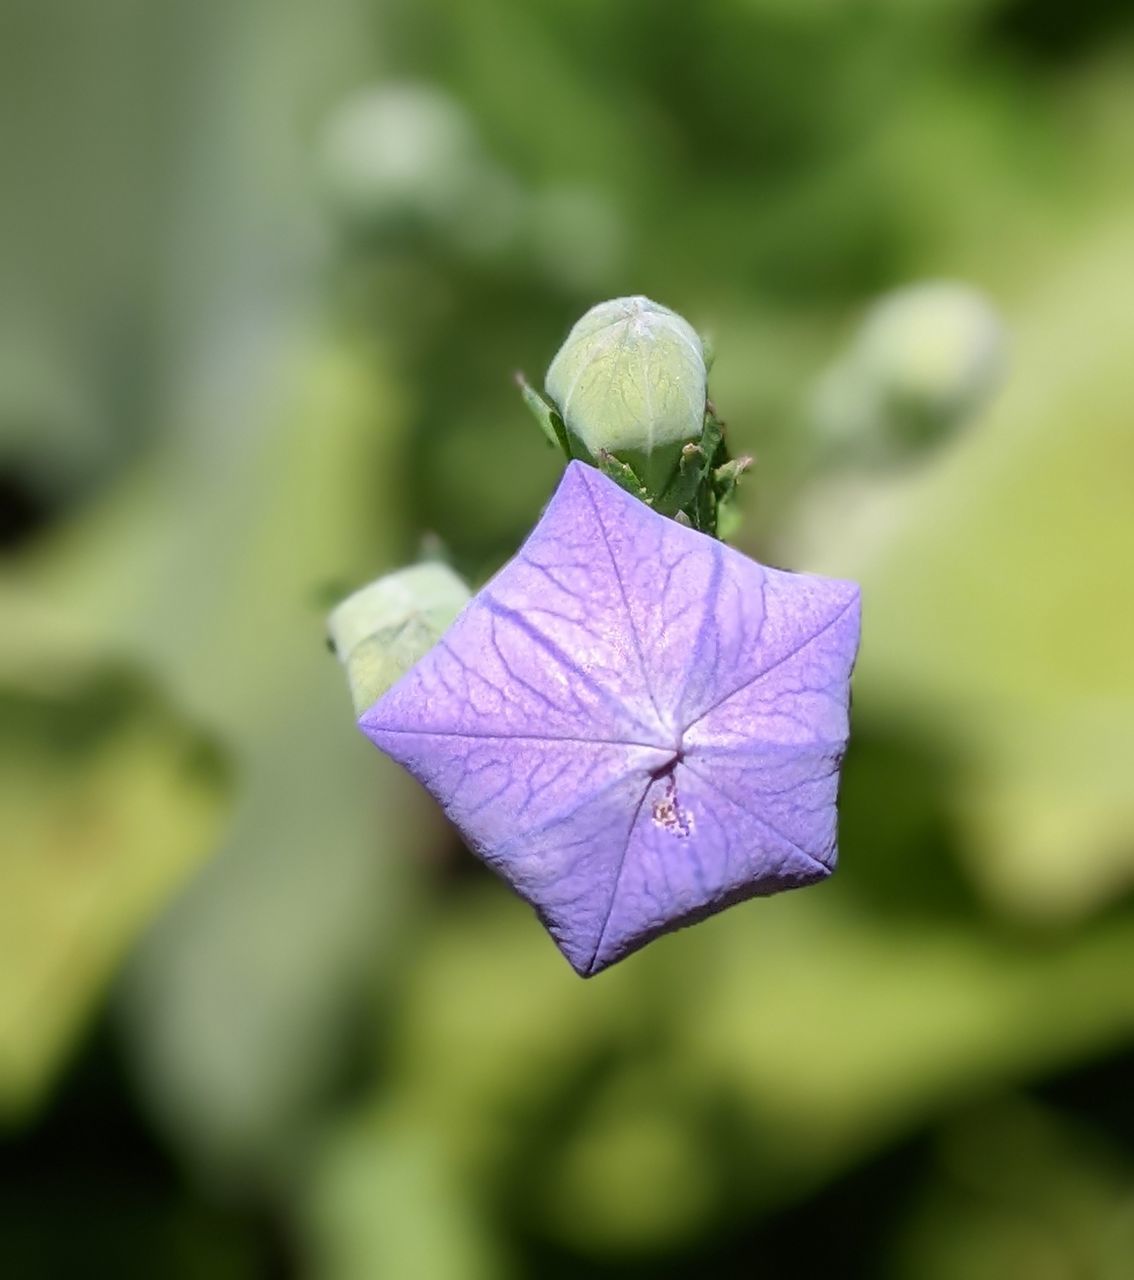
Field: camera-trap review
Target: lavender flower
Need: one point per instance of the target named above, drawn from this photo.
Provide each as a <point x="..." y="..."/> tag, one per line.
<point x="632" y="723"/>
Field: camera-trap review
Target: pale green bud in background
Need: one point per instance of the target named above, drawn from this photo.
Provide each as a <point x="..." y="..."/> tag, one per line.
<point x="925" y="360"/>
<point x="630" y="380"/>
<point x="380" y="631"/>
<point x="936" y="345"/>
<point x="408" y="156"/>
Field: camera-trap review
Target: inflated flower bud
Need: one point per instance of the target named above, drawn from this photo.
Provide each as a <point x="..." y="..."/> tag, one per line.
<point x="935" y="347"/>
<point x="380" y="631"/>
<point x="926" y="358"/>
<point x="630" y="381"/>
<point x="406" y="157"/>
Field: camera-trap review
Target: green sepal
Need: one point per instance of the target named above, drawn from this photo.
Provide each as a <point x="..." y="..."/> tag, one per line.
<point x="727" y="476"/>
<point x="701" y="506"/>
<point x="623" y="474"/>
<point x="712" y="438"/>
<point x="728" y="520"/>
<point x="547" y="415"/>
<point x="688" y="476"/>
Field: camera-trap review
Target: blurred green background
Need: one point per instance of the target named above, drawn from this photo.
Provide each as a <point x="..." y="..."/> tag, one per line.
<point x="266" y="270"/>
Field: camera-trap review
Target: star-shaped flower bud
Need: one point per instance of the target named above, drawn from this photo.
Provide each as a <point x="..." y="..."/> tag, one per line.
<point x="632" y="723"/>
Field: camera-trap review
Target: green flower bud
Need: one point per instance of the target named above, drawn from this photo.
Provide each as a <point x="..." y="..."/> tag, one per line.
<point x="380" y="631"/>
<point x="936" y="347"/>
<point x="630" y="381"/>
<point x="406" y="158"/>
<point x="925" y="360"/>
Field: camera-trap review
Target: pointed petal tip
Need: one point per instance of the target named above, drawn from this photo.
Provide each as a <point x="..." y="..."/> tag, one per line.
<point x="579" y="954"/>
<point x="370" y="721"/>
<point x="852" y="594"/>
<point x="844" y="594"/>
<point x="614" y="950"/>
<point x="575" y="472"/>
<point x="574" y="482"/>
<point x="843" y="599"/>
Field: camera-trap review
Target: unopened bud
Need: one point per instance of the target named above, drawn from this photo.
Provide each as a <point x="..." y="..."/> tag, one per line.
<point x="926" y="358"/>
<point x="630" y="381"/>
<point x="937" y="346"/>
<point x="379" y="632"/>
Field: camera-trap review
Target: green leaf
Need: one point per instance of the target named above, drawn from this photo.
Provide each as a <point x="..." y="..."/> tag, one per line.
<point x="110" y="799"/>
<point x="379" y="1182"/>
<point x="234" y="1007"/>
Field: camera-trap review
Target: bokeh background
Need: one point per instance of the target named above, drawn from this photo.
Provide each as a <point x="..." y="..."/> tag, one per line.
<point x="266" y="270"/>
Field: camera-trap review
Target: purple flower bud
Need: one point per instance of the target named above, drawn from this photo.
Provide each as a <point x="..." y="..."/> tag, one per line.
<point x="632" y="723"/>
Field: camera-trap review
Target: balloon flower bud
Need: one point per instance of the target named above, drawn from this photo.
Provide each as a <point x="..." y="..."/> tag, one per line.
<point x="925" y="360"/>
<point x="379" y="632"/>
<point x="934" y="347"/>
<point x="630" y="381"/>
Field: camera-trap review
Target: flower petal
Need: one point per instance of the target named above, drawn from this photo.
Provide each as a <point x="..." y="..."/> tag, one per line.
<point x="632" y="723"/>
